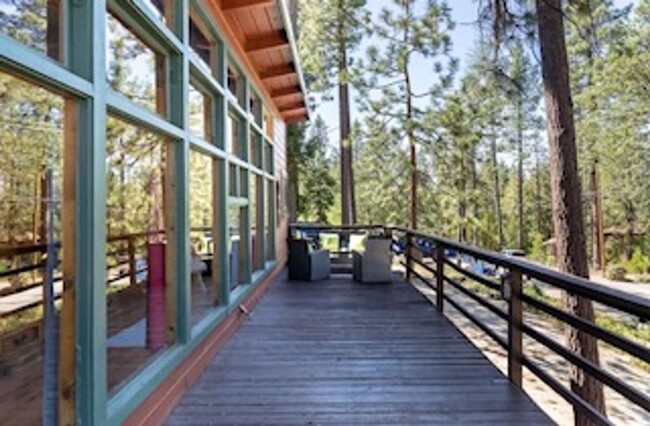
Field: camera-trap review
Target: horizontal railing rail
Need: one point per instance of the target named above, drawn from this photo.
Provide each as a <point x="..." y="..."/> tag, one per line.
<point x="124" y="252"/>
<point x="417" y="246"/>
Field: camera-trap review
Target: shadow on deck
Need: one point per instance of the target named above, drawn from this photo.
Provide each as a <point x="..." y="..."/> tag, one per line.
<point x="340" y="352"/>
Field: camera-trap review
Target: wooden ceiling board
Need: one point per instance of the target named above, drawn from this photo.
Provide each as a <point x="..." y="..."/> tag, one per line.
<point x="263" y="48"/>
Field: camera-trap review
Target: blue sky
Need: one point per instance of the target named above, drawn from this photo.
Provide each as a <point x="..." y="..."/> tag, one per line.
<point x="464" y="35"/>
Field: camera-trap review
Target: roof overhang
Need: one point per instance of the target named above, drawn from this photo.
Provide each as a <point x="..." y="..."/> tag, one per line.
<point x="261" y="35"/>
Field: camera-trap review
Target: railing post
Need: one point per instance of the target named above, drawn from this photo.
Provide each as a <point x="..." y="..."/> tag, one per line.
<point x="440" y="277"/>
<point x="515" y="320"/>
<point x="132" y="266"/>
<point x="409" y="257"/>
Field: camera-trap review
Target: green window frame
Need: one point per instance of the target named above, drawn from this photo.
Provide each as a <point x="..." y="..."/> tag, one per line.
<point x="81" y="76"/>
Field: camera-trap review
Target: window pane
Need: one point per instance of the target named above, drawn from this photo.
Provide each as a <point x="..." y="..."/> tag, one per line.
<point x="34" y="23"/>
<point x="136" y="245"/>
<point x="200" y="116"/>
<point x="257" y="223"/>
<point x="235" y="85"/>
<point x="233" y="181"/>
<point x="255" y="108"/>
<point x="204" y="280"/>
<point x="268" y="124"/>
<point x="132" y="67"/>
<point x="236" y="218"/>
<point x="256" y="145"/>
<point x="269" y="158"/>
<point x="200" y="42"/>
<point x="269" y="208"/>
<point x="158" y="7"/>
<point x="235" y="143"/>
<point x="31" y="203"/>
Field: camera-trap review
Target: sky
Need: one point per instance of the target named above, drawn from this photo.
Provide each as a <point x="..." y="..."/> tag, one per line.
<point x="464" y="13"/>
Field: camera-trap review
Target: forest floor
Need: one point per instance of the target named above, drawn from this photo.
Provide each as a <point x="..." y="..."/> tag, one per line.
<point x="619" y="409"/>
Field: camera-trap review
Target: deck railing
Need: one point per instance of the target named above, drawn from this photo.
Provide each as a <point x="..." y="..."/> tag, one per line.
<point x="416" y="247"/>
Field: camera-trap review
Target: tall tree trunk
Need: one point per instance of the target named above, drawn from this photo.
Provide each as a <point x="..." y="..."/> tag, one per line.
<point x="410" y="136"/>
<point x="497" y="191"/>
<point x="565" y="185"/>
<point x="292" y="196"/>
<point x="476" y="237"/>
<point x="538" y="192"/>
<point x="521" y="231"/>
<point x="598" y="238"/>
<point x="462" y="197"/>
<point x="413" y="159"/>
<point x="347" y="177"/>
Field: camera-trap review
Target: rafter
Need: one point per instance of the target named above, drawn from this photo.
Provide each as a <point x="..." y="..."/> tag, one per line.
<point x="285" y="92"/>
<point x="295" y="106"/>
<point x="295" y="117"/>
<point x="267" y="42"/>
<point x="238" y="5"/>
<point x="278" y="71"/>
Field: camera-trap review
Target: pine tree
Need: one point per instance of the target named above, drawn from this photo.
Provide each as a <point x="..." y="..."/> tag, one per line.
<point x="329" y="31"/>
<point x="389" y="93"/>
<point x="567" y="202"/>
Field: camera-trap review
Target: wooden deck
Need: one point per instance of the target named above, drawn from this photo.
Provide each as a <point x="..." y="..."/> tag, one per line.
<point x="339" y="352"/>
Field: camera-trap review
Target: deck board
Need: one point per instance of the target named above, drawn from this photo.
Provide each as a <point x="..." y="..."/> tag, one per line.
<point x="338" y="352"/>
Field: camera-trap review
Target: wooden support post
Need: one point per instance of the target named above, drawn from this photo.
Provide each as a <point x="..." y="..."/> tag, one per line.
<point x="440" y="280"/>
<point x="133" y="273"/>
<point x="515" y="337"/>
<point x="67" y="321"/>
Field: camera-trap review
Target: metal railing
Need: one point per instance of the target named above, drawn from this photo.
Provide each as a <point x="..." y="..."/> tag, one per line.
<point x="415" y="246"/>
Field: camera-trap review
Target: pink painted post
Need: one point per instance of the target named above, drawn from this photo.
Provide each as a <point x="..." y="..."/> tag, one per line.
<point x="156" y="296"/>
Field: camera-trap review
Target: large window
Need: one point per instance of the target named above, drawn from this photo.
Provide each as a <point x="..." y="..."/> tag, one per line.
<point x="235" y="135"/>
<point x="139" y="271"/>
<point x="133" y="68"/>
<point x="204" y="262"/>
<point x="257" y="222"/>
<point x="200" y="113"/>
<point x="37" y="24"/>
<point x="201" y="43"/>
<point x="136" y="207"/>
<point x="33" y="247"/>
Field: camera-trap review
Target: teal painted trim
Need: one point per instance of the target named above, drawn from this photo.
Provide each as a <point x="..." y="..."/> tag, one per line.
<point x="257" y="128"/>
<point x="274" y="225"/>
<point x="146" y="25"/>
<point x="86" y="55"/>
<point x="121" y="106"/>
<point x="221" y="114"/>
<point x="236" y="108"/>
<point x="261" y="220"/>
<point x="238" y="201"/>
<point x="206" y="148"/>
<point x="178" y="90"/>
<point x="21" y="60"/>
<point x="133" y="393"/>
<point x="209" y="322"/>
<point x="182" y="225"/>
<point x="224" y="241"/>
<point x="257" y="275"/>
<point x="209" y="149"/>
<point x="238" y="294"/>
<point x="199" y="72"/>
<point x="91" y="263"/>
